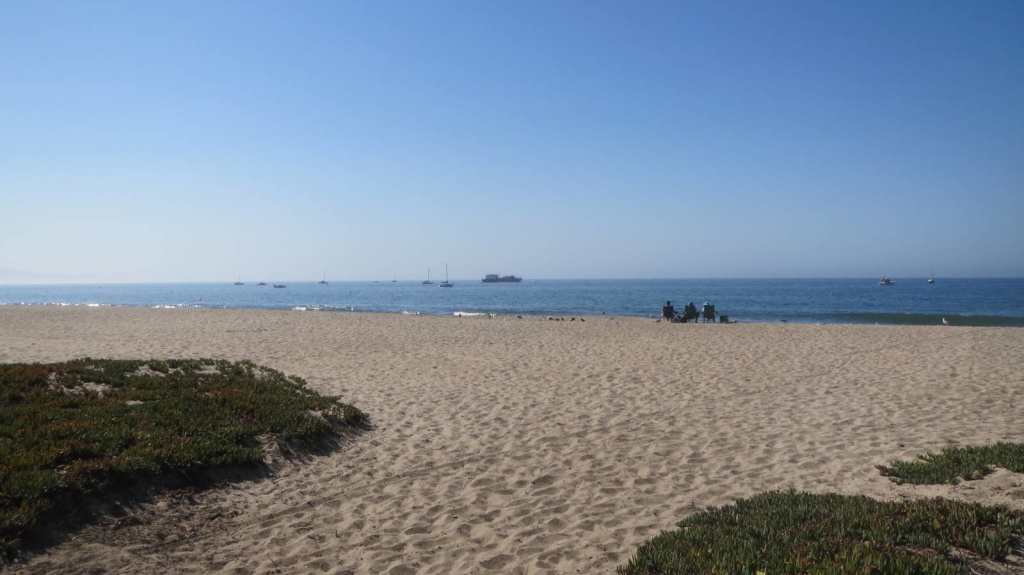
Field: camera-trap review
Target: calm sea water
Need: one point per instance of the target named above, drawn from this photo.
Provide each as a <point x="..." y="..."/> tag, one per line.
<point x="992" y="302"/>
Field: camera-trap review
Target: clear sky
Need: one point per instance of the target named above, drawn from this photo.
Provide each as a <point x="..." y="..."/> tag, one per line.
<point x="203" y="141"/>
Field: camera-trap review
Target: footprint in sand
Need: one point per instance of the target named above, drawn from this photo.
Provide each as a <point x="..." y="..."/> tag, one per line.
<point x="544" y="480"/>
<point x="497" y="562"/>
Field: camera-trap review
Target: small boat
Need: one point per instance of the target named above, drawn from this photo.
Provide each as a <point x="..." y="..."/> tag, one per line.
<point x="495" y="278"/>
<point x="931" y="278"/>
<point x="427" y="281"/>
<point x="239" y="282"/>
<point x="262" y="284"/>
<point x="885" y="282"/>
<point x="280" y="286"/>
<point x="446" y="282"/>
<point x="323" y="281"/>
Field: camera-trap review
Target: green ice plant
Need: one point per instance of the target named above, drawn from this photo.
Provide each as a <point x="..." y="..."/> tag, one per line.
<point x="953" y="464"/>
<point x="86" y="424"/>
<point x="793" y="532"/>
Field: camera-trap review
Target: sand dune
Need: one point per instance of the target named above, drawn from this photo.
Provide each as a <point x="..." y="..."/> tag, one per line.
<point x="508" y="445"/>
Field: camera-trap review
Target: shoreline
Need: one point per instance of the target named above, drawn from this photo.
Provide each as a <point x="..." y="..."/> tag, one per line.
<point x="964" y="301"/>
<point x="902" y="319"/>
<point x="511" y="445"/>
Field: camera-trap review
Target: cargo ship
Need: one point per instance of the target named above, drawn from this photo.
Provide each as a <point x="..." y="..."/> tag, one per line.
<point x="495" y="278"/>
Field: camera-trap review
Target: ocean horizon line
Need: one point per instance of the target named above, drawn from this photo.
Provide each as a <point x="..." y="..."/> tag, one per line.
<point x="895" y="279"/>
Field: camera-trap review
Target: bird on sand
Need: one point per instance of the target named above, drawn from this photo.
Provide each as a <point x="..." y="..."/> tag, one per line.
<point x="945" y="321"/>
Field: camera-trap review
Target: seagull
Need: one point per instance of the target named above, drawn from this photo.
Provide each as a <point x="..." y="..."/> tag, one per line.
<point x="945" y="321"/>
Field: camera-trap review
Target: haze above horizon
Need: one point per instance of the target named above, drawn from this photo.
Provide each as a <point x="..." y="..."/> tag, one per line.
<point x="202" y="142"/>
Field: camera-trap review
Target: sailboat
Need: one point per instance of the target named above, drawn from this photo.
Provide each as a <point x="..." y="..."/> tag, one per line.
<point x="446" y="282"/>
<point x="931" y="278"/>
<point x="239" y="282"/>
<point x="427" y="281"/>
<point x="324" y="281"/>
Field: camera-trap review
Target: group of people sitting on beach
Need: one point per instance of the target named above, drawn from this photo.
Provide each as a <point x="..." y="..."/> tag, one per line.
<point x="689" y="313"/>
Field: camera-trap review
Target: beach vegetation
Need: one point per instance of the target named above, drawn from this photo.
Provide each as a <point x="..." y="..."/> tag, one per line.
<point x="783" y="532"/>
<point x="79" y="427"/>
<point x="953" y="464"/>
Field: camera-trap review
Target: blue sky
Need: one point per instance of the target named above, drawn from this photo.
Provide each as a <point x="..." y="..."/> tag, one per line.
<point x="203" y="141"/>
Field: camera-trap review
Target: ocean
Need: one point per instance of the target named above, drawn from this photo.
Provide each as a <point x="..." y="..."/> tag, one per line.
<point x="964" y="301"/>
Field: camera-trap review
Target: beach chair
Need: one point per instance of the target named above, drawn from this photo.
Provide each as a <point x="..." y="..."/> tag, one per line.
<point x="708" y="311"/>
<point x="690" y="313"/>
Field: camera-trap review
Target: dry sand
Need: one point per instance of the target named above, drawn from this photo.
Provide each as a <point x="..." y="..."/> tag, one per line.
<point x="509" y="445"/>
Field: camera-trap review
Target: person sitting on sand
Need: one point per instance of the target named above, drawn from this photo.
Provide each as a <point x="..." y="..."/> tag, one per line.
<point x="690" y="312"/>
<point x="668" y="312"/>
<point x="708" y="311"/>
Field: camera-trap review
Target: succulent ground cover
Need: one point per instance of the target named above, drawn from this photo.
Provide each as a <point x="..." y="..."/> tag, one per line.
<point x="794" y="532"/>
<point x="89" y="424"/>
<point x="957" y="463"/>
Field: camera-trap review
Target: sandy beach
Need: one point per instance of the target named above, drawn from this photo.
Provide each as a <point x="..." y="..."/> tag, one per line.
<point x="508" y="445"/>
